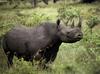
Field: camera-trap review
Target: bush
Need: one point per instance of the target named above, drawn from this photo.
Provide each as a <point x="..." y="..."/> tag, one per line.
<point x="93" y="21"/>
<point x="66" y="13"/>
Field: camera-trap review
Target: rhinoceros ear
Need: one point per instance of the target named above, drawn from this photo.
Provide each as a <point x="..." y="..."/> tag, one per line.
<point x="58" y="22"/>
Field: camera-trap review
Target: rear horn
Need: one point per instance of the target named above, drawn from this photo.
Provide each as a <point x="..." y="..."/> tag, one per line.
<point x="72" y="25"/>
<point x="70" y="18"/>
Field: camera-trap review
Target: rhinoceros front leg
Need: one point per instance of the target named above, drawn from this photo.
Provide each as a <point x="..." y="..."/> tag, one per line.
<point x="45" y="57"/>
<point x="53" y="57"/>
<point x="50" y="55"/>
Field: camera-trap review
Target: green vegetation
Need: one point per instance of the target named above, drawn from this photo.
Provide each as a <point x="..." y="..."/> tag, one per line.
<point x="82" y="57"/>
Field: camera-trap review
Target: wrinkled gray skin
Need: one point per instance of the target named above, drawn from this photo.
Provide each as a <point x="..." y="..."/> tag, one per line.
<point x="41" y="42"/>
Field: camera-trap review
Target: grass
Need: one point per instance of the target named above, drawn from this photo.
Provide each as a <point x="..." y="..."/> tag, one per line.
<point x="71" y="58"/>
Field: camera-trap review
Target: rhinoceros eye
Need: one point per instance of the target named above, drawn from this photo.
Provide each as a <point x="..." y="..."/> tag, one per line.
<point x="67" y="32"/>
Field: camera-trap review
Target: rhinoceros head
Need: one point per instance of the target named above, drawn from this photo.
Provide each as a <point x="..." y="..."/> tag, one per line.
<point x="70" y="33"/>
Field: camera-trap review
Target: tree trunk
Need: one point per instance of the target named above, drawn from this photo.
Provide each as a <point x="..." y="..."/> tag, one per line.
<point x="34" y="3"/>
<point x="54" y="1"/>
<point x="45" y="1"/>
<point x="88" y="1"/>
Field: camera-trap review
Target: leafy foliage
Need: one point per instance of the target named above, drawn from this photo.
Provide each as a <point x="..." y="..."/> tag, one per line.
<point x="93" y="21"/>
<point x="66" y="13"/>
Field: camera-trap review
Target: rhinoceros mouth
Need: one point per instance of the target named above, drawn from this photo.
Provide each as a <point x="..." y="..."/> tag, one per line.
<point x="74" y="40"/>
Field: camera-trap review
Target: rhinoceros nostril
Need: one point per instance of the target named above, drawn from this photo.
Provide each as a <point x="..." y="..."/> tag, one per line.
<point x="79" y="35"/>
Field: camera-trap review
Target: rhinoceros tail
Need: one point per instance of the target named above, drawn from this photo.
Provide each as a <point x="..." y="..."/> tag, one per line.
<point x="4" y="44"/>
<point x="1" y="41"/>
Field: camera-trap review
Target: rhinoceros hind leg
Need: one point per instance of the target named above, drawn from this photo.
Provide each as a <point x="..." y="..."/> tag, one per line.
<point x="10" y="56"/>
